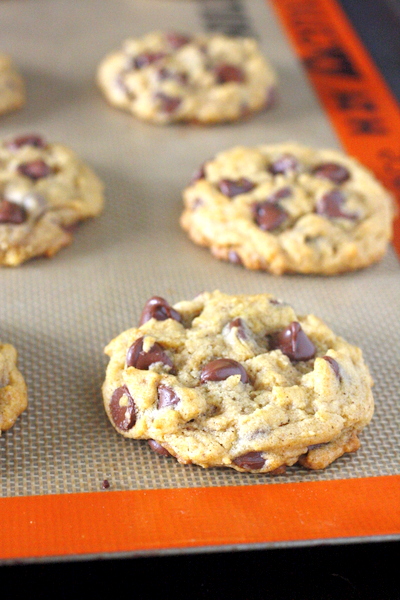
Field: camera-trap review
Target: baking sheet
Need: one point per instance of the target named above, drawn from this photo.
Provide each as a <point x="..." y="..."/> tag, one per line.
<point x="60" y="313"/>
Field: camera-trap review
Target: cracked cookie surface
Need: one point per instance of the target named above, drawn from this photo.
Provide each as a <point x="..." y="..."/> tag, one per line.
<point x="12" y="86"/>
<point x="237" y="381"/>
<point x="13" y="393"/>
<point x="45" y="190"/>
<point x="289" y="208"/>
<point x="165" y="77"/>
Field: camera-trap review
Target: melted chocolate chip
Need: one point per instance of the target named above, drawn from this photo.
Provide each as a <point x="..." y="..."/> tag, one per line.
<point x="35" y="170"/>
<point x="166" y="396"/>
<point x="168" y="104"/>
<point x="26" y="140"/>
<point x="294" y="343"/>
<point x="159" y="309"/>
<point x="226" y="73"/>
<point x="335" y="366"/>
<point x="156" y="447"/>
<point x="197" y="202"/>
<point x="332" y="171"/>
<point x="124" y="417"/>
<point x="222" y="368"/>
<point x="12" y="213"/>
<point x="165" y="73"/>
<point x="285" y="192"/>
<point x="138" y="358"/>
<point x="268" y="216"/>
<point x="146" y="59"/>
<point x="250" y="461"/>
<point x="284" y="164"/>
<point x="233" y="188"/>
<point x="330" y="205"/>
<point x="278" y="471"/>
<point x="177" y="40"/>
<point x="239" y="325"/>
<point x="234" y="257"/>
<point x="200" y="173"/>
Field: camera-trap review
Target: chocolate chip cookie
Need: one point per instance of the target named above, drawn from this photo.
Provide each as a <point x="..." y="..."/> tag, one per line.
<point x="45" y="190"/>
<point x="165" y="77"/>
<point x="12" y="87"/>
<point x="237" y="381"/>
<point x="289" y="208"/>
<point x="13" y="393"/>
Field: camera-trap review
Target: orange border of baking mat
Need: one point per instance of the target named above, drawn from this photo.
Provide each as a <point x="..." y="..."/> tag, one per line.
<point x="363" y="112"/>
<point x="140" y="521"/>
<point x="362" y="109"/>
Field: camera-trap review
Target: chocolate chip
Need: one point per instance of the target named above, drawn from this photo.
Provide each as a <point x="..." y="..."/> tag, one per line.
<point x="268" y="216"/>
<point x="200" y="173"/>
<point x="293" y="342"/>
<point x="330" y="205"/>
<point x="335" y="366"/>
<point x="280" y="194"/>
<point x="140" y="359"/>
<point x="239" y="325"/>
<point x="26" y="140"/>
<point x="177" y="40"/>
<point x="250" y="461"/>
<point x="234" y="257"/>
<point x="12" y="213"/>
<point x="226" y="73"/>
<point x="336" y="173"/>
<point x="106" y="484"/>
<point x="278" y="471"/>
<point x="124" y="417"/>
<point x="284" y="164"/>
<point x="158" y="448"/>
<point x="146" y="59"/>
<point x="222" y="368"/>
<point x="159" y="309"/>
<point x="233" y="188"/>
<point x="166" y="396"/>
<point x="168" y="104"/>
<point x="235" y="323"/>
<point x="197" y="202"/>
<point x="165" y="73"/>
<point x="35" y="169"/>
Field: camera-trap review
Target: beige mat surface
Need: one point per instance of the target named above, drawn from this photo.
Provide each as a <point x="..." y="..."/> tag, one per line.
<point x="60" y="313"/>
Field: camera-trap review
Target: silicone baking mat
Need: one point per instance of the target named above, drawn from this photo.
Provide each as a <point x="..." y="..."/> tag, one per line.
<point x="60" y="313"/>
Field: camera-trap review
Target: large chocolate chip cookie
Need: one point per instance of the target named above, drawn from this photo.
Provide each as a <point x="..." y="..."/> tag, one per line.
<point x="237" y="381"/>
<point x="13" y="393"/>
<point x="165" y="77"/>
<point x="289" y="208"/>
<point x="45" y="190"/>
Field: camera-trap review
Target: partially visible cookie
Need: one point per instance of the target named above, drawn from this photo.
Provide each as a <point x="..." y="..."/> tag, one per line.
<point x="165" y="77"/>
<point x="13" y="393"/>
<point x="12" y="87"/>
<point x="45" y="190"/>
<point x="289" y="208"/>
<point x="237" y="381"/>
